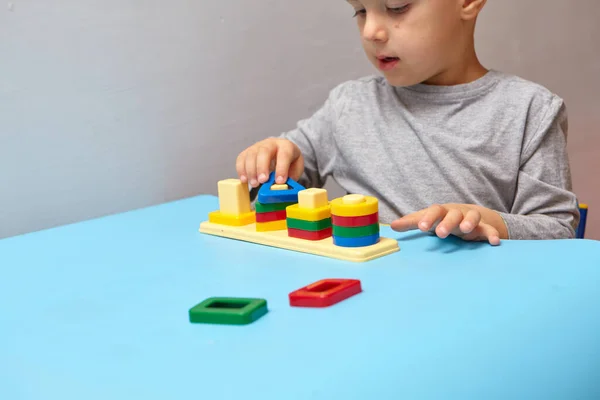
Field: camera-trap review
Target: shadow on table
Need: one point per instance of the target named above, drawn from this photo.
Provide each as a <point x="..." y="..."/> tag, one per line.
<point x="451" y="244"/>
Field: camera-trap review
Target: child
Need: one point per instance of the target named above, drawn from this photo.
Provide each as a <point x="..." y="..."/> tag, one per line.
<point x="445" y="145"/>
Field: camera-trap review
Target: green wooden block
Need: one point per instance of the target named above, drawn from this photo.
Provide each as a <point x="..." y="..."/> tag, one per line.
<point x="264" y="208"/>
<point x="353" y="232"/>
<point x="228" y="310"/>
<point x="312" y="226"/>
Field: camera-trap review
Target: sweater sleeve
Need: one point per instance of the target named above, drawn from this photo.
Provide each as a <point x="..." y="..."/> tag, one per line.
<point x="545" y="206"/>
<point x="315" y="138"/>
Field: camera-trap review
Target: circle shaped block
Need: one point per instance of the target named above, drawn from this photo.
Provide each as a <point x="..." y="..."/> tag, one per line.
<point x="356" y="242"/>
<point x="340" y="208"/>
<point x="355" y="232"/>
<point x="355" y="221"/>
<point x="354" y="199"/>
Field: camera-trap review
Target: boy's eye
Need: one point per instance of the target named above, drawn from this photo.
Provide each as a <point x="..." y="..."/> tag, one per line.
<point x="360" y="12"/>
<point x="399" y="10"/>
<point x="393" y="10"/>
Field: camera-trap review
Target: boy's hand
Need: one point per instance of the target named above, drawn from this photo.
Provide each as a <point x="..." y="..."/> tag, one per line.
<point x="467" y="221"/>
<point x="254" y="164"/>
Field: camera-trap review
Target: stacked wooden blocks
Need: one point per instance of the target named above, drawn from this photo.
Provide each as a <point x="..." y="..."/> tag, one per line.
<point x="271" y="204"/>
<point x="310" y="218"/>
<point x="355" y="220"/>
<point x="295" y="218"/>
<point x="234" y="204"/>
<point x="271" y="216"/>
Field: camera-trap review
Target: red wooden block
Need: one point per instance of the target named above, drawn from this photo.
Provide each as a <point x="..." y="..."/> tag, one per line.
<point x="271" y="216"/>
<point x="325" y="293"/>
<point x="310" y="235"/>
<point x="353" y="222"/>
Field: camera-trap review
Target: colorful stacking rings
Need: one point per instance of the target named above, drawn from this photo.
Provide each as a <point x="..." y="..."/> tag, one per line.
<point x="355" y="221"/>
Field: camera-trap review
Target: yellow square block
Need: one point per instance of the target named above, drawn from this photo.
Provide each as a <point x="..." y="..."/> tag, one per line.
<point x="306" y="214"/>
<point x="234" y="197"/>
<point x="217" y="217"/>
<point x="271" y="226"/>
<point x="312" y="198"/>
<point x="280" y="187"/>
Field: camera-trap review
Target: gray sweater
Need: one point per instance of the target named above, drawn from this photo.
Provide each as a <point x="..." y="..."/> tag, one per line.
<point x="499" y="142"/>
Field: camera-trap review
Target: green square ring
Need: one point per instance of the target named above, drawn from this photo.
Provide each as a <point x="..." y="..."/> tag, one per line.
<point x="228" y="310"/>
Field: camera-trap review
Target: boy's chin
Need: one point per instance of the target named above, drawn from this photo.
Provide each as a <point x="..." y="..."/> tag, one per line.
<point x="401" y="80"/>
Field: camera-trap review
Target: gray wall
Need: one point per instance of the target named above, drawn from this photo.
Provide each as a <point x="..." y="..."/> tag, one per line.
<point x="107" y="106"/>
<point x="555" y="43"/>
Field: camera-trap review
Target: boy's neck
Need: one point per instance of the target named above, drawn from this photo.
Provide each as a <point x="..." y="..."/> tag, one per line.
<point x="459" y="76"/>
<point x="467" y="69"/>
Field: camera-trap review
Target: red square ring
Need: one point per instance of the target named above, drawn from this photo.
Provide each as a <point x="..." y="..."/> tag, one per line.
<point x="325" y="293"/>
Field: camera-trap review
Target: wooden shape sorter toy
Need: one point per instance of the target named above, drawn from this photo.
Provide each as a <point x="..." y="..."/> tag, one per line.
<point x="306" y="226"/>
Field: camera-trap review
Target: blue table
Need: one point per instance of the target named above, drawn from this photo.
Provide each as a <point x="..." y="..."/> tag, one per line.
<point x="99" y="310"/>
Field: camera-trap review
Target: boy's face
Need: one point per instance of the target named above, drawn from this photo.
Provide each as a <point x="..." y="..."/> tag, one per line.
<point x="414" y="41"/>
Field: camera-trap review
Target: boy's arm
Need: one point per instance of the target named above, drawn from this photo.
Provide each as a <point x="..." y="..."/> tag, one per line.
<point x="314" y="136"/>
<point x="544" y="206"/>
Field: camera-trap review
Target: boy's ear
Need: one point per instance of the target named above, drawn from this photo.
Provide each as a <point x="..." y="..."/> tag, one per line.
<point x="471" y="8"/>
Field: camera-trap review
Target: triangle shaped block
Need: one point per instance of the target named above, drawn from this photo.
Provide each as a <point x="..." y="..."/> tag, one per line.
<point x="268" y="196"/>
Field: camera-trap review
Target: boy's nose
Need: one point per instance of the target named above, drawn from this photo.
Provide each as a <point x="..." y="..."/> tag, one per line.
<point x="374" y="30"/>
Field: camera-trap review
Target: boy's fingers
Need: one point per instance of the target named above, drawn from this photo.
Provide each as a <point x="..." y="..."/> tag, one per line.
<point x="290" y="163"/>
<point x="450" y="222"/>
<point x="423" y="219"/>
<point x="470" y="222"/>
<point x="489" y="233"/>
<point x="285" y="157"/>
<point x="493" y="235"/>
<point x="431" y="216"/>
<point x="408" y="222"/>
<point x="264" y="156"/>
<point x="240" y="166"/>
<point x="251" y="155"/>
<point x="255" y="164"/>
<point x="297" y="168"/>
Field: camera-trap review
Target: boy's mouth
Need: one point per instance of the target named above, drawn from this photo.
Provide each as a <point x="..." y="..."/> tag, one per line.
<point x="387" y="63"/>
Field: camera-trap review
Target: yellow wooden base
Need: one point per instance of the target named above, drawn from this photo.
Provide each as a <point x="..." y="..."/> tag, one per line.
<point x="281" y="240"/>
